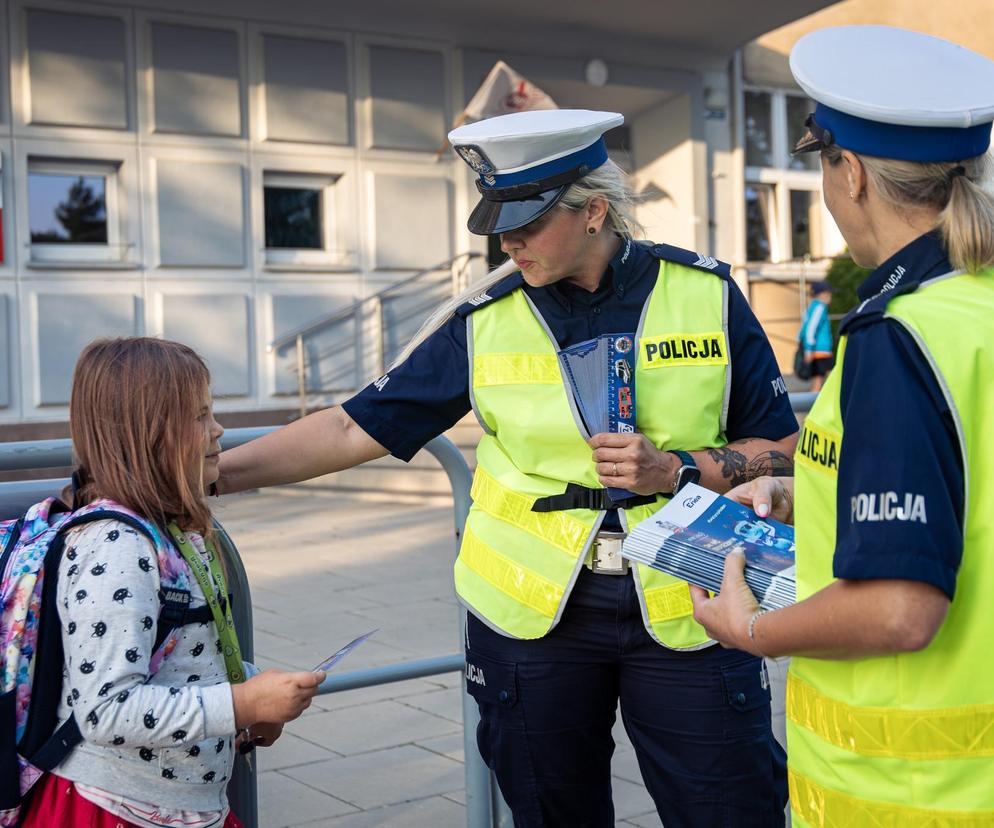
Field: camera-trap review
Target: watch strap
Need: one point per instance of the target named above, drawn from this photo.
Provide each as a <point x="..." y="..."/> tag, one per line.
<point x="687" y="472"/>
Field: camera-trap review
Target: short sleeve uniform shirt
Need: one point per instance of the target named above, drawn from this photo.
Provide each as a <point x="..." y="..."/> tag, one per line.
<point x="898" y="436"/>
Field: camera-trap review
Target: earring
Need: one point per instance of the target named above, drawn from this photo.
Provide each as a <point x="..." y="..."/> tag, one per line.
<point x="852" y="195"/>
<point x="591" y="231"/>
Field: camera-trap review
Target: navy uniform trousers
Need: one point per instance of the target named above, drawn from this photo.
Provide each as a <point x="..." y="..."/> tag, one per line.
<point x="699" y="721"/>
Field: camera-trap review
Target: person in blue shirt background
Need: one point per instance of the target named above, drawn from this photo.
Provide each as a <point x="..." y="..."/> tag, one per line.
<point x="816" y="334"/>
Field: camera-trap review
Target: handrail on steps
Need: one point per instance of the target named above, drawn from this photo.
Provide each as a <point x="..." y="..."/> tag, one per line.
<point x="338" y="316"/>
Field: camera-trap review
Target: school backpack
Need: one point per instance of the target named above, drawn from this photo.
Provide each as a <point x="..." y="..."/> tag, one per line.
<point x="31" y="654"/>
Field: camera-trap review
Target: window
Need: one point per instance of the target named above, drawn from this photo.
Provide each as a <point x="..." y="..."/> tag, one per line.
<point x="758" y="129"/>
<point x="760" y="222"/>
<point x="798" y="109"/>
<point x="72" y="211"/>
<point x="805" y="223"/>
<point x="619" y="147"/>
<point x="299" y="220"/>
<point x="293" y="218"/>
<point x="784" y="215"/>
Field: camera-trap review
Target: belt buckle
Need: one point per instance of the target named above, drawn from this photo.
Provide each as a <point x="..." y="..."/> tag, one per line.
<point x="605" y="554"/>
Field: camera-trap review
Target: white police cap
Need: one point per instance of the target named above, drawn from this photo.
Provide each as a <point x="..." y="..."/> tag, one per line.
<point x="894" y="93"/>
<point x="526" y="161"/>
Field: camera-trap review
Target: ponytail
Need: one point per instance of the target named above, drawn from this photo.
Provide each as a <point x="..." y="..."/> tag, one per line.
<point x="967" y="221"/>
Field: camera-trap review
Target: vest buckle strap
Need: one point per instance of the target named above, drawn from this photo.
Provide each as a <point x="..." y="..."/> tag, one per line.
<point x="604" y="556"/>
<point x="582" y="497"/>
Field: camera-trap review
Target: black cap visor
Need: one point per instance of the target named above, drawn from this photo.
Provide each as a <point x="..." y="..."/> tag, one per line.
<point x="489" y="217"/>
<point x="815" y="138"/>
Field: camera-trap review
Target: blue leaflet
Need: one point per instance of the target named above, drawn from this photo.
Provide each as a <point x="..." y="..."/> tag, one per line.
<point x="601" y="373"/>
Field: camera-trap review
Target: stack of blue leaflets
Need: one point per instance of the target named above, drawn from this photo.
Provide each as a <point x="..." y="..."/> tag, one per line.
<point x="691" y="535"/>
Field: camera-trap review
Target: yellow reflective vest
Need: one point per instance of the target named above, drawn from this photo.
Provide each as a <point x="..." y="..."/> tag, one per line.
<point x="904" y="740"/>
<point x="516" y="567"/>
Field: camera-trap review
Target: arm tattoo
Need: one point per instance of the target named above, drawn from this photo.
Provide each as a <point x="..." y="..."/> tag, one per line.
<point x="737" y="468"/>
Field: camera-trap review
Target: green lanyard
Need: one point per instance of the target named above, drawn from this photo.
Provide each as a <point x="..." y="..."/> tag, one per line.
<point x="222" y="618"/>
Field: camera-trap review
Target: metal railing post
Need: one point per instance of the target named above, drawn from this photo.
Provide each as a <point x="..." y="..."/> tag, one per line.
<point x="243" y="790"/>
<point x="482" y="795"/>
<point x="380" y="336"/>
<point x="301" y="377"/>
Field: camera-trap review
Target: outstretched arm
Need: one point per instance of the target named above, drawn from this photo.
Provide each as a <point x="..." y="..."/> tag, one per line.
<point x="320" y="443"/>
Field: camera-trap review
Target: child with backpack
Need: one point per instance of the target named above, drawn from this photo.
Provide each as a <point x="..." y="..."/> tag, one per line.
<point x="153" y="697"/>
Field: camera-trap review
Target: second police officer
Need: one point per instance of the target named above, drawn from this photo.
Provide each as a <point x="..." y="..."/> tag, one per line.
<point x="890" y="698"/>
<point x="560" y="626"/>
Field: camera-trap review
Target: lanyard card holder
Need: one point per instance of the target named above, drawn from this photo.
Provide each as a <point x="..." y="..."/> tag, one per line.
<point x="601" y="374"/>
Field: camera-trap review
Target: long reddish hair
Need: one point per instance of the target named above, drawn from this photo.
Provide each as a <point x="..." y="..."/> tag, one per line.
<point x="137" y="438"/>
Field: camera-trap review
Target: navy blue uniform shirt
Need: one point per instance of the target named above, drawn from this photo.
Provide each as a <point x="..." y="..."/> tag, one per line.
<point x="898" y="436"/>
<point x="429" y="392"/>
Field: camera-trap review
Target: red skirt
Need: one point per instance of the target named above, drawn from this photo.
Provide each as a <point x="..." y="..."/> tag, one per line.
<point x="55" y="801"/>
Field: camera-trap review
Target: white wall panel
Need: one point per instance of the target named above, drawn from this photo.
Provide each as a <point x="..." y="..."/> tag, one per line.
<point x="306" y="90"/>
<point x="196" y="80"/>
<point x="407" y="237"/>
<point x="330" y="354"/>
<point x="5" y="118"/>
<point x="76" y="69"/>
<point x="201" y="210"/>
<point x="64" y="324"/>
<point x="407" y="91"/>
<point x="217" y="326"/>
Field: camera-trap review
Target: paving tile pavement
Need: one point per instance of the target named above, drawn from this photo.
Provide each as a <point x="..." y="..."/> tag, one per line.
<point x="324" y="568"/>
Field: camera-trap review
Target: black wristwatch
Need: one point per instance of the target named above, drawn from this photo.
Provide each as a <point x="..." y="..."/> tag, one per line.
<point x="687" y="471"/>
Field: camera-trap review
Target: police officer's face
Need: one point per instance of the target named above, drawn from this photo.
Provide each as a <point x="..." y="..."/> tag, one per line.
<point x="551" y="248"/>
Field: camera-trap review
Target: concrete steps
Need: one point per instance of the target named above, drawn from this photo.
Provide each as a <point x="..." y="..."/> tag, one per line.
<point x="422" y="477"/>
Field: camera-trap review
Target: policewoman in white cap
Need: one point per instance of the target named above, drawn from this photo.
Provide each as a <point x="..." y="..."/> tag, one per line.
<point x="560" y="626"/>
<point x="891" y="708"/>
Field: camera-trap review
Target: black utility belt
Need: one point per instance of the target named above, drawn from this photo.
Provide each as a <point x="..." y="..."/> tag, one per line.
<point x="582" y="497"/>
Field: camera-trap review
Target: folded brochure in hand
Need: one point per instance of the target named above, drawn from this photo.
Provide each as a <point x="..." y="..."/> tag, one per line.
<point x="333" y="659"/>
<point x="691" y="535"/>
<point x="601" y="376"/>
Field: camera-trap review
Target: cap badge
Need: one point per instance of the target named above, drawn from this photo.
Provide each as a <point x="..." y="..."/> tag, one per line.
<point x="476" y="159"/>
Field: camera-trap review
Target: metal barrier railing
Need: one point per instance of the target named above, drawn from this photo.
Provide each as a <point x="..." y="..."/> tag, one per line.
<point x="485" y="807"/>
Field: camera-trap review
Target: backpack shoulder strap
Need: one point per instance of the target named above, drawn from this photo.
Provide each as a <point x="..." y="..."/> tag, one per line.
<point x="41" y="746"/>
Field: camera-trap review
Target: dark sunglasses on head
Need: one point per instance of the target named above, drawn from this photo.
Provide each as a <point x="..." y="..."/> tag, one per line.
<point x="816" y="138"/>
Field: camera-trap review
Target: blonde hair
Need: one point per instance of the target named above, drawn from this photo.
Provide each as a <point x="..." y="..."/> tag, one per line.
<point x="608" y="181"/>
<point x="960" y="190"/>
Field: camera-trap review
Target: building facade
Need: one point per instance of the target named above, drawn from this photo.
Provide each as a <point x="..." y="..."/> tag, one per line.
<point x="222" y="174"/>
<point x="789" y="236"/>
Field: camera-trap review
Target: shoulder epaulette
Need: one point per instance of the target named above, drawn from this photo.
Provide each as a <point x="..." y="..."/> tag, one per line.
<point x="505" y="286"/>
<point x="692" y="259"/>
<point x="874" y="309"/>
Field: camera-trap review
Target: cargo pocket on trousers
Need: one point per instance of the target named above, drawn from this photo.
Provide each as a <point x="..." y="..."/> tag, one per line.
<point x="754" y="791"/>
<point x="494" y="685"/>
<point x="746" y="714"/>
